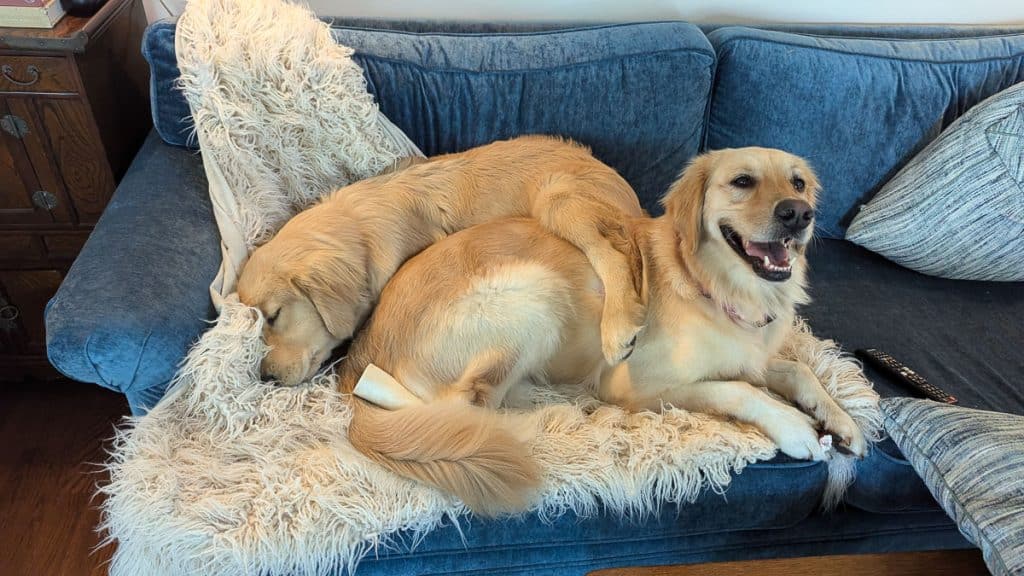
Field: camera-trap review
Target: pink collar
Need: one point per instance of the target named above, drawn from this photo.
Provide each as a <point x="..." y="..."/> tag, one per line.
<point x="735" y="316"/>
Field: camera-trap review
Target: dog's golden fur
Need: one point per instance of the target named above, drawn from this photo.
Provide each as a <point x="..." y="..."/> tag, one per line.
<point x="504" y="303"/>
<point x="318" y="278"/>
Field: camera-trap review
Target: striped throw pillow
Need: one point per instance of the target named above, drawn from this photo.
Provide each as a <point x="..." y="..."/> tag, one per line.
<point x="973" y="463"/>
<point x="956" y="210"/>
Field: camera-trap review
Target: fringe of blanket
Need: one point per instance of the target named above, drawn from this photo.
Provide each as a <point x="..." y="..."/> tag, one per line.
<point x="228" y="475"/>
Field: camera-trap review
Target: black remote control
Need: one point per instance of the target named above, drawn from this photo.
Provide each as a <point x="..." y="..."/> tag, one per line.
<point x="890" y="367"/>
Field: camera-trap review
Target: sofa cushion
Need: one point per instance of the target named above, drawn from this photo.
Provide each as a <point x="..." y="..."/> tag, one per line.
<point x="749" y="521"/>
<point x="857" y="108"/>
<point x="956" y="210"/>
<point x="765" y="495"/>
<point x="962" y="335"/>
<point x="636" y="93"/>
<point x="971" y="460"/>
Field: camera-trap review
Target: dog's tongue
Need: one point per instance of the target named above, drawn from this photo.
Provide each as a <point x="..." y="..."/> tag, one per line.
<point x="775" y="252"/>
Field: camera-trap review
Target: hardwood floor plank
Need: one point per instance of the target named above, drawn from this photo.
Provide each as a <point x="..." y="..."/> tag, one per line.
<point x="54" y="436"/>
<point x="942" y="563"/>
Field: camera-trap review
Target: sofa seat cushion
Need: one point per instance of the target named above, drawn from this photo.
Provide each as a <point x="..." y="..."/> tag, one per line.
<point x="769" y="511"/>
<point x="765" y="495"/>
<point x="857" y="108"/>
<point x="637" y="94"/>
<point x="962" y="335"/>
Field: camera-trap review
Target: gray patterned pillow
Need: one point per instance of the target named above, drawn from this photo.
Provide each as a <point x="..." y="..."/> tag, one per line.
<point x="973" y="463"/>
<point x="956" y="210"/>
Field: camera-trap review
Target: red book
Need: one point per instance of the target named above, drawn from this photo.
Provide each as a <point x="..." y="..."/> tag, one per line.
<point x="24" y="3"/>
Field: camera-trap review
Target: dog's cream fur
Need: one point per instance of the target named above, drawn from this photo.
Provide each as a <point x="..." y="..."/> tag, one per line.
<point x="318" y="278"/>
<point x="504" y="303"/>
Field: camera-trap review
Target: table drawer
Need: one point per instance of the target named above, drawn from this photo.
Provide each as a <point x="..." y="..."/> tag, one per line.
<point x="64" y="246"/>
<point x="41" y="74"/>
<point x="21" y="248"/>
<point x="40" y="249"/>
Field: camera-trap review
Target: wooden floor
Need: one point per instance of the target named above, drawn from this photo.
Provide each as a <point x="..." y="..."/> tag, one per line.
<point x="54" y="433"/>
<point x="951" y="563"/>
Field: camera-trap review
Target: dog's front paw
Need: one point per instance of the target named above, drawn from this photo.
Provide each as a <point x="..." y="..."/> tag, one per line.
<point x="850" y="438"/>
<point x="794" y="433"/>
<point x="620" y="325"/>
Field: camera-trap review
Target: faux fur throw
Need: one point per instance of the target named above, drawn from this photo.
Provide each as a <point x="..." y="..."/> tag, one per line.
<point x="228" y="475"/>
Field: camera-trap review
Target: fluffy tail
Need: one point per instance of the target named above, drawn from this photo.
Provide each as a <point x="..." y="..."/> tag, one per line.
<point x="459" y="448"/>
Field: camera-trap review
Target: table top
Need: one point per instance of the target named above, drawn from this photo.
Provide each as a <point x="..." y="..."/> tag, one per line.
<point x="71" y="34"/>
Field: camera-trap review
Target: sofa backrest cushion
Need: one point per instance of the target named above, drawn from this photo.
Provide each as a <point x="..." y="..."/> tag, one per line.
<point x="637" y="94"/>
<point x="857" y="108"/>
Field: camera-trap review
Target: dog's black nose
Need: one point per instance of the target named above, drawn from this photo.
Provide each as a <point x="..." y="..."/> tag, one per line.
<point x="268" y="377"/>
<point x="795" y="215"/>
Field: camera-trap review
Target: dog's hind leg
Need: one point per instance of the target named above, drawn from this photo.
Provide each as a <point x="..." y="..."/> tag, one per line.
<point x="486" y="379"/>
<point x="580" y="210"/>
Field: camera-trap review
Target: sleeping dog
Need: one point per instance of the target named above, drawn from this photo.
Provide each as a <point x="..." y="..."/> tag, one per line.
<point x="318" y="278"/>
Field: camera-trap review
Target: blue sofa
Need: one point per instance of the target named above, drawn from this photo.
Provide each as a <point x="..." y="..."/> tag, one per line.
<point x="858" y="102"/>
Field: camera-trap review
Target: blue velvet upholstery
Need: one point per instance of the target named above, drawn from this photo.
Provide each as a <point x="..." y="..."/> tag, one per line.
<point x="857" y="108"/>
<point x="768" y="511"/>
<point x="172" y="118"/>
<point x="138" y="294"/>
<point x="962" y="335"/>
<point x="637" y="94"/>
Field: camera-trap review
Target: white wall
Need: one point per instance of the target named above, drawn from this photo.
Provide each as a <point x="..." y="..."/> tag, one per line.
<point x="723" y="11"/>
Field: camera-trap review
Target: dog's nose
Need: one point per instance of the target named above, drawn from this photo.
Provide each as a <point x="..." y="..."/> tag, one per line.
<point x="795" y="215"/>
<point x="268" y="377"/>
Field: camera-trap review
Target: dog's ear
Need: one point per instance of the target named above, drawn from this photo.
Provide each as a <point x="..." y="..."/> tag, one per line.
<point x="684" y="203"/>
<point x="338" y="292"/>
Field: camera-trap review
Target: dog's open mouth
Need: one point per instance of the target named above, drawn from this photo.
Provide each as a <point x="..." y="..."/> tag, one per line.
<point x="769" y="260"/>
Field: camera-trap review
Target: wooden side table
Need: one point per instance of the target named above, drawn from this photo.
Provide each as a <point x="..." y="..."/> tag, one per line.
<point x="74" y="109"/>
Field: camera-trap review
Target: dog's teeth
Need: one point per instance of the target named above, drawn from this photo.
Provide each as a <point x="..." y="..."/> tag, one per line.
<point x="767" y="262"/>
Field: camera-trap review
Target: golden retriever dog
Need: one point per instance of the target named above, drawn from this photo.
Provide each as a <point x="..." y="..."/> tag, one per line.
<point x="505" y="303"/>
<point x="318" y="278"/>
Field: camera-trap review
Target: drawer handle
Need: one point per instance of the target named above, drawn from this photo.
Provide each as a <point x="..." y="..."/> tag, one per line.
<point x="14" y="126"/>
<point x="9" y="313"/>
<point x="8" y="72"/>
<point x="45" y="200"/>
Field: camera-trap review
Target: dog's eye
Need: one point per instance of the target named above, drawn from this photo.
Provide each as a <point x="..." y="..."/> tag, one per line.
<point x="273" y="317"/>
<point x="743" y="181"/>
<point x="799" y="184"/>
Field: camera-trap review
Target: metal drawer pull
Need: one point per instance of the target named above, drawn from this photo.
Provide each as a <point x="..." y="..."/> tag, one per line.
<point x="9" y="313"/>
<point x="14" y="125"/>
<point x="8" y="72"/>
<point x="45" y="200"/>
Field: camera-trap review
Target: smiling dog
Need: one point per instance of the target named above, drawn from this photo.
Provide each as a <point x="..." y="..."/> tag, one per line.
<point x="504" y="303"/>
<point x="318" y="278"/>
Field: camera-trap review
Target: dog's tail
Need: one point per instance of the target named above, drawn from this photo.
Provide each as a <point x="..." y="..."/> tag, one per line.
<point x="459" y="448"/>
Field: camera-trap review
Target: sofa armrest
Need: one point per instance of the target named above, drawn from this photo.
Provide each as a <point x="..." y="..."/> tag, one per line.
<point x="138" y="295"/>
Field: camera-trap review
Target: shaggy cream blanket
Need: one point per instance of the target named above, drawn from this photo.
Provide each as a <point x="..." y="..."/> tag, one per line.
<point x="227" y="475"/>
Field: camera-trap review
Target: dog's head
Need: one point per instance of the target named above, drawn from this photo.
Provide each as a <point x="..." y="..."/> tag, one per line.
<point x="753" y="204"/>
<point x="312" y="289"/>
